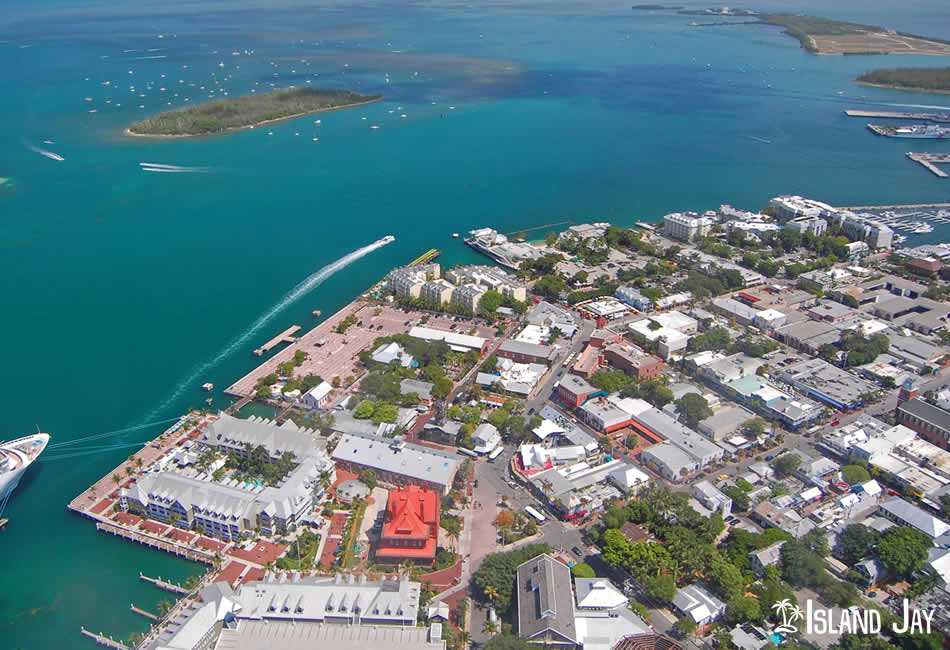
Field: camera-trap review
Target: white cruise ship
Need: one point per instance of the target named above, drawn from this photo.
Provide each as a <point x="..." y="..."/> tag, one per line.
<point x="15" y="457"/>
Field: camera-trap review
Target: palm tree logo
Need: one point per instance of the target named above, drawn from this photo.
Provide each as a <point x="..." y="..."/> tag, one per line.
<point x="790" y="613"/>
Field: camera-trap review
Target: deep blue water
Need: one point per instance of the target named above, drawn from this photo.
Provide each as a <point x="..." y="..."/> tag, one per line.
<point x="118" y="283"/>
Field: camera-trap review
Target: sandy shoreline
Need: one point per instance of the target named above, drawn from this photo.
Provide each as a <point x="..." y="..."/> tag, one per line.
<point x="126" y="131"/>
<point x="912" y="89"/>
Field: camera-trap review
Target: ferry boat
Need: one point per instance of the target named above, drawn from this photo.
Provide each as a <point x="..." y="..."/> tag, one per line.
<point x="15" y="457"/>
<point x="924" y="131"/>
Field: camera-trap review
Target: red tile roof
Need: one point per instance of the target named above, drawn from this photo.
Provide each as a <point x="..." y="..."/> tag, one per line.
<point x="231" y="573"/>
<point x="253" y="574"/>
<point x="102" y="505"/>
<point x="411" y="513"/>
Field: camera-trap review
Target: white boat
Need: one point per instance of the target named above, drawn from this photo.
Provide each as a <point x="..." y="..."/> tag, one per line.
<point x="388" y="238"/>
<point x="15" y="457"/>
<point x="924" y="229"/>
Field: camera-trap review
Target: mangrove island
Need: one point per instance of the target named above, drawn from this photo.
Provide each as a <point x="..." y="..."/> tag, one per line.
<point x="928" y="80"/>
<point x="249" y="111"/>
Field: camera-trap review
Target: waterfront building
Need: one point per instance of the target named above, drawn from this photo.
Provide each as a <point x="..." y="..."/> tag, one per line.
<point x="410" y="527"/>
<point x="866" y="228"/>
<point x="389" y="352"/>
<point x="687" y="226"/>
<point x="240" y="437"/>
<point x="456" y="341"/>
<point x="397" y="462"/>
<point x="407" y="281"/>
<point x="437" y="292"/>
<point x="814" y="225"/>
<point x="468" y="296"/>
<point x="793" y="206"/>
<point x="489" y="278"/>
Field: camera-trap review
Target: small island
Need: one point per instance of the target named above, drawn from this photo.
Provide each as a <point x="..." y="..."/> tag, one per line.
<point x="827" y="36"/>
<point x="245" y="112"/>
<point x="927" y="80"/>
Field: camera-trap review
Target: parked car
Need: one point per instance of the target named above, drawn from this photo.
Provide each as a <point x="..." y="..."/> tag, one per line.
<point x="768" y="458"/>
<point x="721" y="478"/>
<point x="576" y="551"/>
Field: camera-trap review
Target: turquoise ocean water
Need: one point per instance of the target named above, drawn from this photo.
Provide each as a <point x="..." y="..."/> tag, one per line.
<point x="117" y="284"/>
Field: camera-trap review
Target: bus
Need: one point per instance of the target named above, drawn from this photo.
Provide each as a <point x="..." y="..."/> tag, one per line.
<point x="467" y="452"/>
<point x="569" y="359"/>
<point x="495" y="453"/>
<point x="534" y="513"/>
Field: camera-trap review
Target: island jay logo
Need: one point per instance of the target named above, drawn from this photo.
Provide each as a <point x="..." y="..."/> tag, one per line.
<point x="790" y="612"/>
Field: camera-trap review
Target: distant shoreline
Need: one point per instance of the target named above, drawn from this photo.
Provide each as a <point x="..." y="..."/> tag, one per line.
<point x="913" y="89"/>
<point x="129" y="132"/>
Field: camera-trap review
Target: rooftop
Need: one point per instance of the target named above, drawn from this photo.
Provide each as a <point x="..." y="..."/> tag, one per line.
<point x="545" y="598"/>
<point x="398" y="457"/>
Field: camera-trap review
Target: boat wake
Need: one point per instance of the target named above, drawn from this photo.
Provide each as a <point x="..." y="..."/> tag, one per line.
<point x="309" y="283"/>
<point x="938" y="108"/>
<point x="171" y="169"/>
<point x="42" y="152"/>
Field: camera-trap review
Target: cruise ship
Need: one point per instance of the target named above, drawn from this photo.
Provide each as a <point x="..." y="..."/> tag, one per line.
<point x="925" y="131"/>
<point x="15" y="457"/>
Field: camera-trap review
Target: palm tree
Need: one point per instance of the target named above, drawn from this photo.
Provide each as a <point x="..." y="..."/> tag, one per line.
<point x="164" y="606"/>
<point x="138" y="462"/>
<point x="325" y="480"/>
<point x="116" y="479"/>
<point x="490" y="627"/>
<point x="491" y="593"/>
<point x="129" y="471"/>
<point x="464" y="638"/>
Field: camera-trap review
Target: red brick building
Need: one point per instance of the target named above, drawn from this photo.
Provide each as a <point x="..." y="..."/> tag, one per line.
<point x="574" y="391"/>
<point x="600" y="337"/>
<point x="633" y="361"/>
<point x="411" y="527"/>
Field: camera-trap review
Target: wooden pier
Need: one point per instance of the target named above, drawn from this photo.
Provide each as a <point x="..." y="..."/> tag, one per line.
<point x="901" y="115"/>
<point x="102" y="639"/>
<point x="930" y="161"/>
<point x="155" y="542"/>
<point x="164" y="584"/>
<point x="142" y="612"/>
<point x="287" y="336"/>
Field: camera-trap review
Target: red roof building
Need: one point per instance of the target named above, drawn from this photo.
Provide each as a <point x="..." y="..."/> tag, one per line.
<point x="411" y="528"/>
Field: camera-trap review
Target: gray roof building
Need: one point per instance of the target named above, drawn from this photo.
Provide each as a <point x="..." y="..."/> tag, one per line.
<point x="697" y="603"/>
<point x="397" y="461"/>
<point x="231" y="433"/>
<point x="546" y="603"/>
<point x="766" y="557"/>
<point x="699" y="448"/>
<point x="907" y="514"/>
<point x="671" y="462"/>
<point x="422" y="389"/>
<point x="828" y="383"/>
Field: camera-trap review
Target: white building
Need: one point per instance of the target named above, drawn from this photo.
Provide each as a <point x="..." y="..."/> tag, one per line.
<point x="317" y="397"/>
<point x="687" y="226"/>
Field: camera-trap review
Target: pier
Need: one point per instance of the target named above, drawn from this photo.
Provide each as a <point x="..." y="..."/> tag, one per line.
<point x="102" y="639"/>
<point x="142" y="612"/>
<point x="900" y="115"/>
<point x="428" y="256"/>
<point x="547" y="225"/>
<point x="287" y="336"/>
<point x="930" y="161"/>
<point x="154" y="542"/>
<point x="164" y="584"/>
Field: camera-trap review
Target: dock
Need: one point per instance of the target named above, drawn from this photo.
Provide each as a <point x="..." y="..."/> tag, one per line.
<point x="156" y="543"/>
<point x="428" y="256"/>
<point x="902" y="206"/>
<point x="102" y="639"/>
<point x="930" y="161"/>
<point x="142" y="612"/>
<point x="164" y="584"/>
<point x="287" y="336"/>
<point x="901" y="115"/>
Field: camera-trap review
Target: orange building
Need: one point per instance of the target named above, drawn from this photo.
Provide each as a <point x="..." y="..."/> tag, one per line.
<point x="411" y="527"/>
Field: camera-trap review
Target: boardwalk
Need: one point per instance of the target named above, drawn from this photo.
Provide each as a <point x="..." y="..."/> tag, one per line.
<point x="154" y="542"/>
<point x="149" y="615"/>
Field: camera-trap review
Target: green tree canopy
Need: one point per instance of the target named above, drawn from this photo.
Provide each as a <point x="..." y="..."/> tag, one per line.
<point x="854" y="474"/>
<point x="855" y="543"/>
<point x="787" y="464"/>
<point x="498" y="572"/>
<point x="694" y="408"/>
<point x="583" y="570"/>
<point x="903" y="550"/>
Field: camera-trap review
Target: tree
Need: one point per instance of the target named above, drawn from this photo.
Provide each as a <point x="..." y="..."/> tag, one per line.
<point x="855" y="543"/>
<point x="903" y="550"/>
<point x="631" y="441"/>
<point x="368" y="476"/>
<point x="740" y="498"/>
<point x="116" y="479"/>
<point x="854" y="474"/>
<point x="685" y="626"/>
<point x="498" y="571"/>
<point x="364" y="410"/>
<point x="840" y="594"/>
<point x="489" y="627"/>
<point x="694" y="408"/>
<point x="490" y="301"/>
<point x="661" y="588"/>
<point x="508" y="642"/>
<point x="505" y="519"/>
<point x="583" y="570"/>
<point x="828" y="352"/>
<point x="802" y="567"/>
<point x="441" y="387"/>
<point x="743" y="609"/>
<point x="786" y="464"/>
